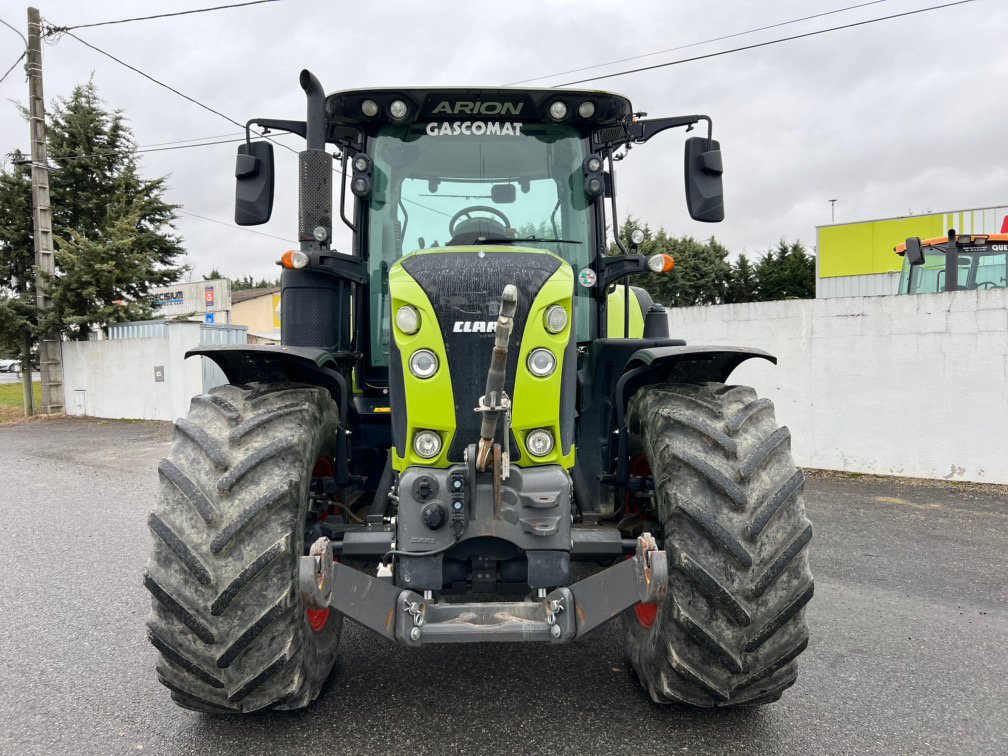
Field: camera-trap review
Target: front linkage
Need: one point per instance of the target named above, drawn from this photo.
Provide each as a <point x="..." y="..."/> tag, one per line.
<point x="412" y="619"/>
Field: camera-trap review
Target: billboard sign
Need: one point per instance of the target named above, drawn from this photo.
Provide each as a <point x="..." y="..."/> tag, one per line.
<point x="193" y="298"/>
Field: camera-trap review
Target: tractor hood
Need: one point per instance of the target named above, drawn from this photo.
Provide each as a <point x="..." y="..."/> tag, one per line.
<point x="457" y="292"/>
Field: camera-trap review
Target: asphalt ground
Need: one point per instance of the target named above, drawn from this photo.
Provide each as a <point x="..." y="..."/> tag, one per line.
<point x="909" y="649"/>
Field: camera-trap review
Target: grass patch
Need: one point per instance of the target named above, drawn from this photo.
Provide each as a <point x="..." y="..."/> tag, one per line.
<point x="12" y="401"/>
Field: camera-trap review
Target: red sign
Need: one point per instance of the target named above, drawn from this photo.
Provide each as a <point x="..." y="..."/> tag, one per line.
<point x="209" y="290"/>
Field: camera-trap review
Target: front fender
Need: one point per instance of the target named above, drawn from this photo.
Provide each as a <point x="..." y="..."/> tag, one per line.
<point x="248" y="363"/>
<point x="679" y="364"/>
<point x="672" y="364"/>
<point x="263" y="363"/>
<point x="690" y="364"/>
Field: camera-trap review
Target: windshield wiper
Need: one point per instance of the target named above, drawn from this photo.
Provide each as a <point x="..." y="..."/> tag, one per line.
<point x="497" y="240"/>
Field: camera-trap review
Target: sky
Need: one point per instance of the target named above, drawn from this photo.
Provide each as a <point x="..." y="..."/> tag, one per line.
<point x="893" y="118"/>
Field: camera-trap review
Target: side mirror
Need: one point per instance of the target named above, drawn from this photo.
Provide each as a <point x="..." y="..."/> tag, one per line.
<point x="704" y="192"/>
<point x="254" y="184"/>
<point x="914" y="254"/>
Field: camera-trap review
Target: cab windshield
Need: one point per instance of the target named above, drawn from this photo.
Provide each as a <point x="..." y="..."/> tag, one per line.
<point x="983" y="268"/>
<point x="437" y="186"/>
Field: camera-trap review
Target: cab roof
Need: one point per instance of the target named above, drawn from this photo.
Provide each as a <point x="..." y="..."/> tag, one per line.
<point x="961" y="240"/>
<point x="583" y="108"/>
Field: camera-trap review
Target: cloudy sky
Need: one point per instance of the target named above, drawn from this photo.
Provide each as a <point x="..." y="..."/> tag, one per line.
<point x="895" y="117"/>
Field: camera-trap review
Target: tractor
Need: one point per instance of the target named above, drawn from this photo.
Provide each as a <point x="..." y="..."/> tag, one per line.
<point x="474" y="429"/>
<point x="952" y="263"/>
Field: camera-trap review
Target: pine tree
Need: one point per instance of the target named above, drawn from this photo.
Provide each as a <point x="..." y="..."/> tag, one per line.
<point x="786" y="272"/>
<point x="743" y="284"/>
<point x="105" y="215"/>
<point x="17" y="258"/>
<point x="701" y="274"/>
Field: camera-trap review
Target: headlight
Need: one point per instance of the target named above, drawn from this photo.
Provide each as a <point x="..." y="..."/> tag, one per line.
<point x="558" y="110"/>
<point x="539" y="442"/>
<point x="369" y="108"/>
<point x="407" y="319"/>
<point x="398" y="109"/>
<point x="423" y="363"/>
<point x="586" y="109"/>
<point x="556" y="319"/>
<point x="541" y="362"/>
<point x="427" y="444"/>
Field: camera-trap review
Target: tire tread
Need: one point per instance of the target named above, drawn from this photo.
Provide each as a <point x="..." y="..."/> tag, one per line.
<point x="732" y="625"/>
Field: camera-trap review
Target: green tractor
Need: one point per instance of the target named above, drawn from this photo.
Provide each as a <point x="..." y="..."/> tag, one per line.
<point x="475" y="429"/>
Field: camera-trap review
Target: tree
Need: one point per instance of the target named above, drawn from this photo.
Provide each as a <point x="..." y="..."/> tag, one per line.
<point x="244" y="282"/>
<point x="701" y="274"/>
<point x="112" y="228"/>
<point x="786" y="272"/>
<point x="743" y="284"/>
<point x="17" y="259"/>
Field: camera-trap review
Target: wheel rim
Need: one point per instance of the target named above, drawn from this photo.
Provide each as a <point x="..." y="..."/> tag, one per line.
<point x="317" y="618"/>
<point x="646" y="613"/>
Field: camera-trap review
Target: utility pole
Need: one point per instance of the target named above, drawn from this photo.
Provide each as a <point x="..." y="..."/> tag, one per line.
<point x="832" y="214"/>
<point x="50" y="357"/>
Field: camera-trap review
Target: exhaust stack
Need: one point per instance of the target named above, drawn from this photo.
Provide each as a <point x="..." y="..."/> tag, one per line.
<point x="315" y="165"/>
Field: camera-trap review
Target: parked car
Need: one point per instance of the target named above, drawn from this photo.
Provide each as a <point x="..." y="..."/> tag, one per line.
<point x="9" y="366"/>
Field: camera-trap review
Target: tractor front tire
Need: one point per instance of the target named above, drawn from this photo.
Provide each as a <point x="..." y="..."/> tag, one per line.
<point x="228" y="531"/>
<point x="729" y="500"/>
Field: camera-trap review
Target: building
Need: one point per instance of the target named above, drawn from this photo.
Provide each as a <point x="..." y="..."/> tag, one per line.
<point x="208" y="301"/>
<point x="259" y="310"/>
<point x="857" y="259"/>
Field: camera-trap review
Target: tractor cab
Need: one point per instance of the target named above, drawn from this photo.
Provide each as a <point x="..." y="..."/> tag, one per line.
<point x="977" y="261"/>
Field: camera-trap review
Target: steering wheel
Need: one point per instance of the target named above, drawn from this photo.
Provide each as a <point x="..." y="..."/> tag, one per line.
<point x="467" y="214"/>
<point x="989" y="285"/>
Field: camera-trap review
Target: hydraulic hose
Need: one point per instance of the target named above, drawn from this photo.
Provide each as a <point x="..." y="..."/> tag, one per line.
<point x="491" y="404"/>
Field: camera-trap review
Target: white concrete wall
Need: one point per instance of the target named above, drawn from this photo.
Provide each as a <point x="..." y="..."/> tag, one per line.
<point x="115" y="378"/>
<point x="906" y="385"/>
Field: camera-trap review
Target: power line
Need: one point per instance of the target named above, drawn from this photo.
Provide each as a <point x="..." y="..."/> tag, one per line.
<point x="184" y="96"/>
<point x="159" y="147"/>
<point x="767" y="43"/>
<point x="162" y="15"/>
<point x="698" y="44"/>
<point x="197" y="139"/>
<point x="172" y="89"/>
<point x="233" y="226"/>
<point x="16" y="31"/>
<point x="20" y="58"/>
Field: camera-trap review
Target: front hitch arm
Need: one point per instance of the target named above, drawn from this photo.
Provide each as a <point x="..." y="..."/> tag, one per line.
<point x="405" y="616"/>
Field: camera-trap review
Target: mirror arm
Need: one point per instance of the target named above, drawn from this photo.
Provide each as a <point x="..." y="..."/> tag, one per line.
<point x="621" y="266"/>
<point x="294" y="127"/>
<point x="640" y="131"/>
